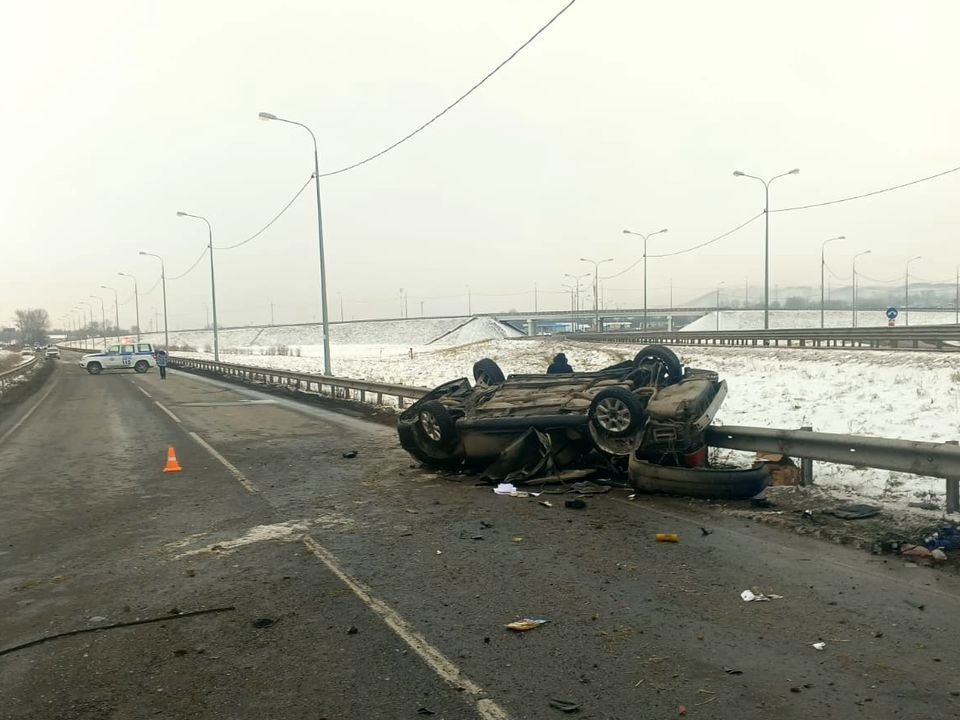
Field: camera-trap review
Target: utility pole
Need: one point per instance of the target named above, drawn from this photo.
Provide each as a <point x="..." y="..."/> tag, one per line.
<point x="469" y="301"/>
<point x="596" y="288"/>
<point x="535" y="297"/>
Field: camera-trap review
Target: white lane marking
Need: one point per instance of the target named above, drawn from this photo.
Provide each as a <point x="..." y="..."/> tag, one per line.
<point x="143" y="391"/>
<point x="436" y="660"/>
<point x="29" y="412"/>
<point x="226" y="463"/>
<point x="175" y="418"/>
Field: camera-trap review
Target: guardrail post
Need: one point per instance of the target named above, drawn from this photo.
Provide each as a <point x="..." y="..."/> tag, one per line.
<point x="953" y="489"/>
<point x="806" y="465"/>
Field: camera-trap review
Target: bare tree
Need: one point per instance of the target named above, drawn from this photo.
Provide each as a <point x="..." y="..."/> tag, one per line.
<point x="32" y="325"/>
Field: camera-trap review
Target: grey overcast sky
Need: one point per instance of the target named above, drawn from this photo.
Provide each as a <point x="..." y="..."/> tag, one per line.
<point x="623" y="114"/>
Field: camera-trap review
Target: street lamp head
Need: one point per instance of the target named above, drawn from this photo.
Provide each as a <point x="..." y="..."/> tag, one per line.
<point x="181" y="213"/>
<point x="795" y="171"/>
<point x="627" y="232"/>
<point x="267" y="116"/>
<point x="663" y="231"/>
<point x="737" y="173"/>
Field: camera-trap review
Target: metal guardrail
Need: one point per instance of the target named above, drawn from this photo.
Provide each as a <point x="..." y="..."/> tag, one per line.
<point x="343" y="388"/>
<point x="943" y="338"/>
<point x="7" y="378"/>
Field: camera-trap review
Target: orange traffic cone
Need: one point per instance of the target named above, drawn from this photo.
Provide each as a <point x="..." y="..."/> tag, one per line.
<point x="172" y="464"/>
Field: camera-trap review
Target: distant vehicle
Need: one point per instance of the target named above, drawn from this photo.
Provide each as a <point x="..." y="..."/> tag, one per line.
<point x="139" y="357"/>
<point x="26" y="351"/>
<point x="37" y="349"/>
<point x="53" y="352"/>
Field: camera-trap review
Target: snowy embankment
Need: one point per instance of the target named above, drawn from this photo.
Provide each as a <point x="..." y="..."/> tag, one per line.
<point x="906" y="395"/>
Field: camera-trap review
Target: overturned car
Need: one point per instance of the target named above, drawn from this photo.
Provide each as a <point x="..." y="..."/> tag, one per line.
<point x="645" y="417"/>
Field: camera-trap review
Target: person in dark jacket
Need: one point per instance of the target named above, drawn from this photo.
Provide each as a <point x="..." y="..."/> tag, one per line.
<point x="559" y="365"/>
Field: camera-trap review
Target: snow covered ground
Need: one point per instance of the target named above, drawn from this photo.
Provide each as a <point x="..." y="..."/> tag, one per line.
<point x="790" y="319"/>
<point x="905" y="395"/>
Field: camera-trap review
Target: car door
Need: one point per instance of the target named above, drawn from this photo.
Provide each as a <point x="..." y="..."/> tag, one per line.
<point x="127" y="353"/>
<point x="112" y="357"/>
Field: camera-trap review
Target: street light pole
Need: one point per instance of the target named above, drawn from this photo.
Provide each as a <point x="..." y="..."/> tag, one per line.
<point x="596" y="288"/>
<point x="906" y="291"/>
<point x="136" y="297"/>
<point x="323" y="267"/>
<point x="766" y="238"/>
<point x="213" y="282"/>
<point x="116" y="308"/>
<point x="630" y="232"/>
<point x="577" y="279"/>
<point x="103" y="320"/>
<point x="823" y="264"/>
<point x="718" y="304"/>
<point x="163" y="284"/>
<point x="865" y="252"/>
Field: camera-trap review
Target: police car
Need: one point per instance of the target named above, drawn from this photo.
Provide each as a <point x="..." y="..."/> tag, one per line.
<point x="133" y="356"/>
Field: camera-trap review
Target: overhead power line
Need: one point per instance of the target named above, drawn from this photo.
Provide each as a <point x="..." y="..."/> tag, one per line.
<point x="686" y="250"/>
<point x="276" y="217"/>
<point x="869" y="194"/>
<point x="456" y="102"/>
<point x="190" y="269"/>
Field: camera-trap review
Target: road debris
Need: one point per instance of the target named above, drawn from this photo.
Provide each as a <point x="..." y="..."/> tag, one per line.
<point x="762" y="502"/>
<point x="350" y="454"/>
<point x="732" y="671"/>
<point x="353" y="630"/>
<point x="682" y="710"/>
<point x="425" y="711"/>
<point x="704" y="532"/>
<point x="526" y="624"/>
<point x="546" y="503"/>
<point x="131" y="623"/>
<point x="855" y="511"/>
<point x="751" y="596"/>
<point x="263" y="622"/>
<point x="517" y="540"/>
<point x="667" y="537"/>
<point x="565" y="705"/>
<point x="575" y="504"/>
<point x="819" y="645"/>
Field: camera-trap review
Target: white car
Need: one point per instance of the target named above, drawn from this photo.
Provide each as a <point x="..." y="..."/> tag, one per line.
<point x="139" y="357"/>
<point x="53" y="352"/>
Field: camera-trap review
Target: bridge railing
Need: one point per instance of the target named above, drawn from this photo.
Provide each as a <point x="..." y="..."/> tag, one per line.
<point x="944" y="338"/>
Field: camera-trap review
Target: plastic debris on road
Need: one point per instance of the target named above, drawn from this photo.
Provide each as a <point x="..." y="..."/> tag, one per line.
<point x="668" y="537"/>
<point x="751" y="596"/>
<point x="819" y="645"/>
<point x="546" y="503"/>
<point x="526" y="624"/>
<point x="565" y="705"/>
<point x="575" y="504"/>
<point x="511" y="490"/>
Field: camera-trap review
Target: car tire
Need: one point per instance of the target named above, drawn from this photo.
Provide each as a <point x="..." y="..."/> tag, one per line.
<point x="615" y="411"/>
<point x="412" y="440"/>
<point x="673" y="368"/>
<point x="141" y="366"/>
<point x="437" y="424"/>
<point x="94" y="368"/>
<point x="487" y="372"/>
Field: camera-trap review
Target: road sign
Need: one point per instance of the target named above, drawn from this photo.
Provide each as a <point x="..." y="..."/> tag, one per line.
<point x="892" y="313"/>
<point x="891" y="323"/>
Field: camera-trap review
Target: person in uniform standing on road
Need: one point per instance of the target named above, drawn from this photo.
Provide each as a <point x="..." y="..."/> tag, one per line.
<point x="162" y="363"/>
<point x="559" y="365"/>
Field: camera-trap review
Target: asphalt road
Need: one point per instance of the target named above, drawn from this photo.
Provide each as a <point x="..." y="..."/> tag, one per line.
<point x="385" y="589"/>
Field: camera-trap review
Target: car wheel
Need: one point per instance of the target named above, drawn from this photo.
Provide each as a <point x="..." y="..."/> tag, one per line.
<point x="487" y="372"/>
<point x="672" y="367"/>
<point x="413" y="441"/>
<point x="615" y="411"/>
<point x="94" y="368"/>
<point x="142" y="366"/>
<point x="437" y="424"/>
